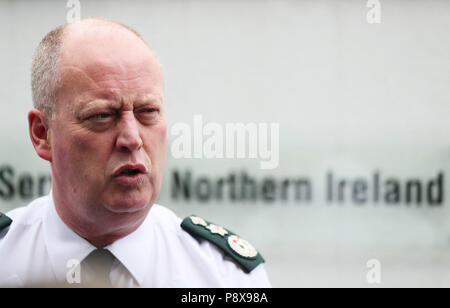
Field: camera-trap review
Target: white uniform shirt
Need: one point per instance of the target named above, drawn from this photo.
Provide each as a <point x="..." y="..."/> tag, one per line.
<point x="37" y="248"/>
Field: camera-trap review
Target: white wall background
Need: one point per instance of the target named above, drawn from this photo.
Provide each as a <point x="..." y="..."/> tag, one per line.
<point x="349" y="96"/>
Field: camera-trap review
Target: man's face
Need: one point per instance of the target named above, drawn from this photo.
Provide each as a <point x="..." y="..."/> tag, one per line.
<point x="109" y="137"/>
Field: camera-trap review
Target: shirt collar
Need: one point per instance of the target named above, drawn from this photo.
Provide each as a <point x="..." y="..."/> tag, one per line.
<point x="63" y="244"/>
<point x="134" y="251"/>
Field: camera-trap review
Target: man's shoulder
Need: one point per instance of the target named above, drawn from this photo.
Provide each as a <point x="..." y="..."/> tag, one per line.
<point x="208" y="240"/>
<point x="23" y="216"/>
<point x="5" y="222"/>
<point x="230" y="244"/>
<point x="21" y="243"/>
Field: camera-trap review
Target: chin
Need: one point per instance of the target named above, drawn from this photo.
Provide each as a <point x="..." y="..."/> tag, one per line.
<point x="129" y="203"/>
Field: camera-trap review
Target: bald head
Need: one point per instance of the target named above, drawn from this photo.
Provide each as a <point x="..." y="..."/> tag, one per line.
<point x="69" y="42"/>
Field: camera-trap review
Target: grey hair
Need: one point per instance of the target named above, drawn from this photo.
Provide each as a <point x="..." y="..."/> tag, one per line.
<point x="45" y="77"/>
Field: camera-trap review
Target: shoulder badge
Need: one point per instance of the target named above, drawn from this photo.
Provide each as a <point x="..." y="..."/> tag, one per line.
<point x="237" y="248"/>
<point x="4" y="221"/>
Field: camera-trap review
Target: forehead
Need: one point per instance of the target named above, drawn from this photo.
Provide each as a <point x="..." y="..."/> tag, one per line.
<point x="83" y="43"/>
<point x="108" y="61"/>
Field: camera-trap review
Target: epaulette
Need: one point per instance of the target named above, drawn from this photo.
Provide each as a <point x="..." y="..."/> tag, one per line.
<point x="5" y="221"/>
<point x="237" y="248"/>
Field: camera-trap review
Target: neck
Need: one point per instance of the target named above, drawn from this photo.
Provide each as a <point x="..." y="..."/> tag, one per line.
<point x="98" y="226"/>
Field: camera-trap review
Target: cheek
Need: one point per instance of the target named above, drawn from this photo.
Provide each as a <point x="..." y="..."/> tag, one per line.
<point x="162" y="140"/>
<point x="157" y="146"/>
<point x="84" y="153"/>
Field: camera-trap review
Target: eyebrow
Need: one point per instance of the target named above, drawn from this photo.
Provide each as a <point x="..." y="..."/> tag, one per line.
<point x="98" y="104"/>
<point x="147" y="100"/>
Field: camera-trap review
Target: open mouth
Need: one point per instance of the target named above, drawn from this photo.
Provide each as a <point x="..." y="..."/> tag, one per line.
<point x="130" y="172"/>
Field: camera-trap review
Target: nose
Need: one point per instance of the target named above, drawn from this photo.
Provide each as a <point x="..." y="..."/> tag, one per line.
<point x="128" y="138"/>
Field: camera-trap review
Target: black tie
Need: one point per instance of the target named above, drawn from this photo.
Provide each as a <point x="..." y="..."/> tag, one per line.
<point x="98" y="266"/>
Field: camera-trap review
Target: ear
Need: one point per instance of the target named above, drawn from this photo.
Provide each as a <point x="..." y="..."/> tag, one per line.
<point x="40" y="134"/>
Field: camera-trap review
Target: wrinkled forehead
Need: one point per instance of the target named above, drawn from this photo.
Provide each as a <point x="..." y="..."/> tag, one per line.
<point x="105" y="50"/>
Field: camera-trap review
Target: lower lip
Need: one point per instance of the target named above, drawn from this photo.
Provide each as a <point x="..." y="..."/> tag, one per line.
<point x="130" y="180"/>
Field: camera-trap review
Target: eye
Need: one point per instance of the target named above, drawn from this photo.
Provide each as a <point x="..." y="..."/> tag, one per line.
<point x="149" y="110"/>
<point x="148" y="115"/>
<point x="100" y="116"/>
